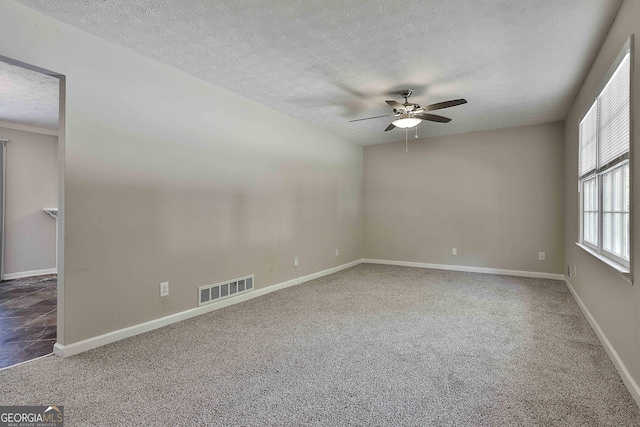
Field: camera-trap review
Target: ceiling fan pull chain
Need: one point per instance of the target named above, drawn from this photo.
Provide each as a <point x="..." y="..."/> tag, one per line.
<point x="416" y="132"/>
<point x="406" y="140"/>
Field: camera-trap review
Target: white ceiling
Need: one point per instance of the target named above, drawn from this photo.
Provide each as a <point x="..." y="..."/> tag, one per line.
<point x="328" y="61"/>
<point x="27" y="97"/>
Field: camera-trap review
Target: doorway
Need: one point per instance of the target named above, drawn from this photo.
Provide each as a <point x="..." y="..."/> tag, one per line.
<point x="31" y="196"/>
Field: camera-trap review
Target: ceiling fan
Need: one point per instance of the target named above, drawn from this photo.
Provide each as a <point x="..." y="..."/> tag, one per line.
<point x="410" y="115"/>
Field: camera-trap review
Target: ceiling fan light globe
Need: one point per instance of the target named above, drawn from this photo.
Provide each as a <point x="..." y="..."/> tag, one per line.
<point x="407" y="122"/>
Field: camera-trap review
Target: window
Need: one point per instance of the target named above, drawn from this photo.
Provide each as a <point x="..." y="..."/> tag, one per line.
<point x="603" y="168"/>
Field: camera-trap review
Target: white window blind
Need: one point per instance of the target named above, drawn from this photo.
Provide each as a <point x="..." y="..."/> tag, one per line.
<point x="613" y="104"/>
<point x="588" y="141"/>
<point x="604" y="167"/>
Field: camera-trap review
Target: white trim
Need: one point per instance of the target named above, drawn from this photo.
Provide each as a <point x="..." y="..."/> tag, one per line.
<point x="21" y="274"/>
<point x="110" y="337"/>
<point x="618" y="268"/>
<point x="58" y="350"/>
<point x="28" y="128"/>
<point x="627" y="379"/>
<point x="3" y="204"/>
<point x="537" y="274"/>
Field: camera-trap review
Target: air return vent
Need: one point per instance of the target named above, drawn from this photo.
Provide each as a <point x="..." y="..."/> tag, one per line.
<point x="212" y="293"/>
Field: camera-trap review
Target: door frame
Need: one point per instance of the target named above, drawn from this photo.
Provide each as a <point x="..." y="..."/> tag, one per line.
<point x="3" y="200"/>
<point x="61" y="173"/>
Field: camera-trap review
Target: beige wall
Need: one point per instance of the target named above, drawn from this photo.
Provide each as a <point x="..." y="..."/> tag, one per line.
<point x="169" y="178"/>
<point x="495" y="195"/>
<point x="31" y="185"/>
<point x="613" y="302"/>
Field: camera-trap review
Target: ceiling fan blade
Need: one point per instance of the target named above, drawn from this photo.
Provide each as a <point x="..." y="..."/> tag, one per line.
<point x="367" y="118"/>
<point x="391" y="126"/>
<point x="433" y="118"/>
<point x="396" y="105"/>
<point x="445" y="104"/>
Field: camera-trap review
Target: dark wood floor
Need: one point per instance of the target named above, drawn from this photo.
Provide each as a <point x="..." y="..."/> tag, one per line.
<point x="27" y="318"/>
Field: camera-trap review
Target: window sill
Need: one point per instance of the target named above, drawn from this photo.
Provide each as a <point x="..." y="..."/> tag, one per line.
<point x="618" y="268"/>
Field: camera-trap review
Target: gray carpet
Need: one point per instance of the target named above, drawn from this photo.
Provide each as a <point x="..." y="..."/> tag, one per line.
<point x="372" y="345"/>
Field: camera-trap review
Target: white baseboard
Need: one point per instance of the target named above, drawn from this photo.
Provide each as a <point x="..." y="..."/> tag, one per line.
<point x="627" y="379"/>
<point x="91" y="343"/>
<point x="110" y="337"/>
<point x="21" y="274"/>
<point x="536" y="274"/>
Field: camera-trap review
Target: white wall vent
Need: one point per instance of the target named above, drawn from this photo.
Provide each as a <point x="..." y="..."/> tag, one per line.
<point x="212" y="293"/>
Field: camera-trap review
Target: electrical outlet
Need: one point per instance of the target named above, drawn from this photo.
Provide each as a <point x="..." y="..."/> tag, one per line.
<point x="337" y="252"/>
<point x="164" y="289"/>
<point x="542" y="256"/>
<point x="295" y="262"/>
<point x="454" y="251"/>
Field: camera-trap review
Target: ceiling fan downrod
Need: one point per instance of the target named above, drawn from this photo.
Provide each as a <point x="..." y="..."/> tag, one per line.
<point x="406" y="94"/>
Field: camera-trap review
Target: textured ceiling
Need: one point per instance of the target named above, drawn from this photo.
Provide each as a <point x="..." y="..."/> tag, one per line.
<point x="516" y="61"/>
<point x="27" y="97"/>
